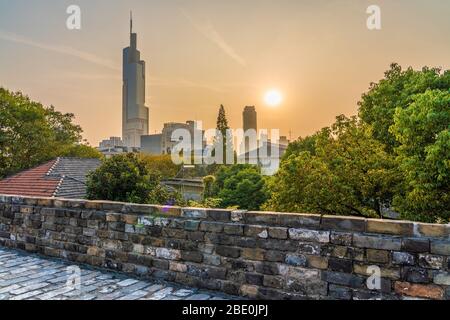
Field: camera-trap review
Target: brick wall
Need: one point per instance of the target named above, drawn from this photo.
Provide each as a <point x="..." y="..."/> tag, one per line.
<point x="254" y="254"/>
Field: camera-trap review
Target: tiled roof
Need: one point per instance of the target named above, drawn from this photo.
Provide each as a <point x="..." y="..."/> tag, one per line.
<point x="62" y="177"/>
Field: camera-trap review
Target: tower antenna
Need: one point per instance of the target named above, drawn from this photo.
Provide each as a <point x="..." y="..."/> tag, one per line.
<point x="131" y="22"/>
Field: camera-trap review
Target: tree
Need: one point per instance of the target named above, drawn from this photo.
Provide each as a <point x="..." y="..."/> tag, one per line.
<point x="345" y="171"/>
<point x="397" y="90"/>
<point x="208" y="184"/>
<point x="162" y="164"/>
<point x="126" y="178"/>
<point x="240" y="186"/>
<point x="423" y="132"/>
<point x="223" y="128"/>
<point x="31" y="134"/>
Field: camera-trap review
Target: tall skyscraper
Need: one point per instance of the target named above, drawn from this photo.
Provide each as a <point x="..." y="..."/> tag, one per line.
<point x="250" y="123"/>
<point x="250" y="118"/>
<point x="135" y="115"/>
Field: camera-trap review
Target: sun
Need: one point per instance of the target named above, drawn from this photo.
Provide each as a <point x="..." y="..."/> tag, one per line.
<point x="273" y="98"/>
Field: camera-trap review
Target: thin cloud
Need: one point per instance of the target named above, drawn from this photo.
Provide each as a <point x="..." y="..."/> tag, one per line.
<point x="82" y="55"/>
<point x="208" y="30"/>
<point x="182" y="83"/>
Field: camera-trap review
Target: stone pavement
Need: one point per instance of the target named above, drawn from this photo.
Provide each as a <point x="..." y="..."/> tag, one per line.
<point x="25" y="276"/>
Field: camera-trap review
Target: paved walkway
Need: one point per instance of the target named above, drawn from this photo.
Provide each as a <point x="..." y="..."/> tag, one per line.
<point x="26" y="276"/>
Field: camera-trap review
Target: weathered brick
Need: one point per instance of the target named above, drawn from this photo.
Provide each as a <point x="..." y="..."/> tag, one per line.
<point x="219" y="215"/>
<point x="402" y="258"/>
<point x="419" y="290"/>
<point x="256" y="231"/>
<point x="434" y="230"/>
<point x="194" y="213"/>
<point x="416" y="245"/>
<point x="299" y="220"/>
<point x="278" y="233"/>
<point x="345" y="279"/>
<point x="257" y="217"/>
<point x="191" y="225"/>
<point x="376" y="242"/>
<point x="249" y="291"/>
<point x="416" y="275"/>
<point x="228" y="251"/>
<point x="295" y="260"/>
<point x="441" y="247"/>
<point x="211" y="226"/>
<point x="340" y="265"/>
<point x="234" y="229"/>
<point x="344" y="223"/>
<point x="129" y="219"/>
<point x="193" y="256"/>
<point x="113" y="217"/>
<point x="390" y="227"/>
<point x="317" y="262"/>
<point x="341" y="238"/>
<point x="309" y="235"/>
<point x="238" y="215"/>
<point x="442" y="278"/>
<point x="309" y="248"/>
<point x="381" y="256"/>
<point x="254" y="278"/>
<point x="340" y="292"/>
<point x="273" y="281"/>
<point x="306" y="282"/>
<point x="274" y="256"/>
<point x="252" y="254"/>
<point x="431" y="261"/>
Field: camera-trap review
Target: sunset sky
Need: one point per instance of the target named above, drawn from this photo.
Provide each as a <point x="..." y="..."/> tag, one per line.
<point x="202" y="53"/>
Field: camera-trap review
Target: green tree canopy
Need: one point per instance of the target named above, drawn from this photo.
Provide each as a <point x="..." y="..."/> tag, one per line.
<point x="423" y="132"/>
<point x="126" y="178"/>
<point x="341" y="170"/>
<point x="31" y="134"/>
<point x="397" y="90"/>
<point x="240" y="186"/>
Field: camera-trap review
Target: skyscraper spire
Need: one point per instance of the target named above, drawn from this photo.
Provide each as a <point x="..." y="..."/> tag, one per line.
<point x="131" y="22"/>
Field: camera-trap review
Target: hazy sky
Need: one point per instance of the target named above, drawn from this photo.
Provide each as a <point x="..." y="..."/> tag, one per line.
<point x="203" y="53"/>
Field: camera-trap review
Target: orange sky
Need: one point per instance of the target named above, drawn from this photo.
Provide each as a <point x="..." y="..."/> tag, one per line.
<point x="203" y="53"/>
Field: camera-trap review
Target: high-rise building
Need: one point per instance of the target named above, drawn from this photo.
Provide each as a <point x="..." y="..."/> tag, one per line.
<point x="250" y="122"/>
<point x="135" y="115"/>
<point x="250" y="118"/>
<point x="163" y="143"/>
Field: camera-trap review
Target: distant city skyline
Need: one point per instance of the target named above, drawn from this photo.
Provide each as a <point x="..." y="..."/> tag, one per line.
<point x="200" y="54"/>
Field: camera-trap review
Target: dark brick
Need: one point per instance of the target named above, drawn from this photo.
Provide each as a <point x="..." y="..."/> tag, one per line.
<point x="234" y="229"/>
<point x="339" y="292"/>
<point x="267" y="268"/>
<point x="254" y="278"/>
<point x="416" y="245"/>
<point x="228" y="251"/>
<point x="161" y="264"/>
<point x="219" y="215"/>
<point x="340" y="265"/>
<point x="274" y="256"/>
<point x="415" y="275"/>
<point x="343" y="223"/>
<point x="193" y="256"/>
<point x="344" y="279"/>
<point x="245" y="242"/>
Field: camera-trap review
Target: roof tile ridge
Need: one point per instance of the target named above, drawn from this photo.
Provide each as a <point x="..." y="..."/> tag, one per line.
<point x="58" y="186"/>
<point x="49" y="172"/>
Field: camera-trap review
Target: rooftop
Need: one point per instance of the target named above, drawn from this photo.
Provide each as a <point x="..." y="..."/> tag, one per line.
<point x="61" y="177"/>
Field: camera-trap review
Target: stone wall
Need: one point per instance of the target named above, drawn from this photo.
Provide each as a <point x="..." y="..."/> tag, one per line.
<point x="254" y="254"/>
